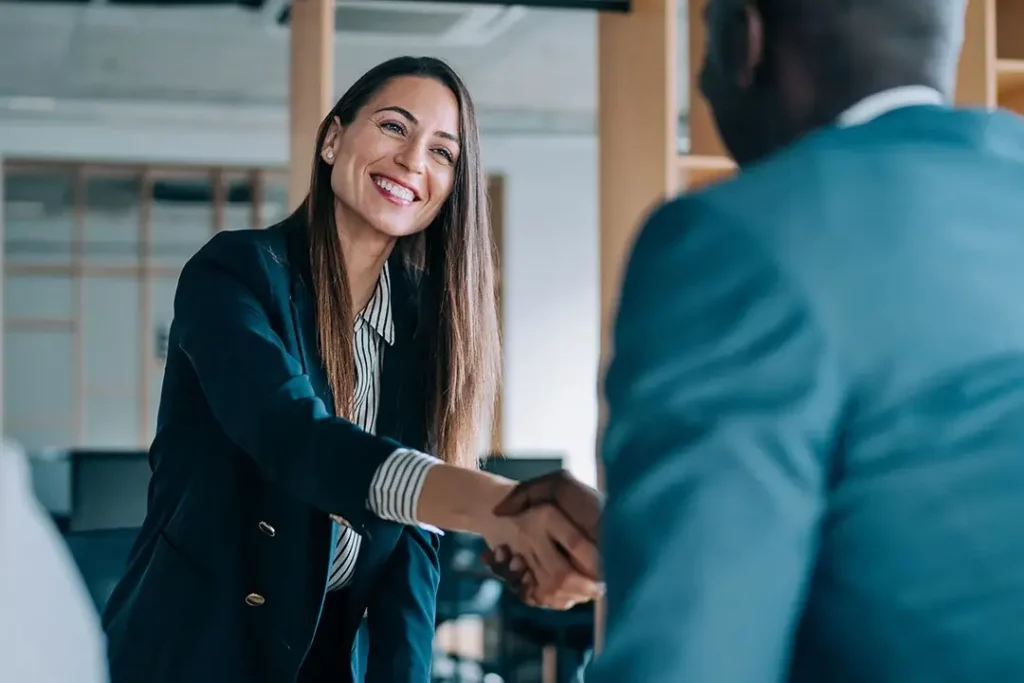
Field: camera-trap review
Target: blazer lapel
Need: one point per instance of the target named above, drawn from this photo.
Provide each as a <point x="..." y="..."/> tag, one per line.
<point x="401" y="414"/>
<point x="303" y="306"/>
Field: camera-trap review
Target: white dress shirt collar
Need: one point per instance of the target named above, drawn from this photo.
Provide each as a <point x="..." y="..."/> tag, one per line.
<point x="378" y="310"/>
<point x="873" y="106"/>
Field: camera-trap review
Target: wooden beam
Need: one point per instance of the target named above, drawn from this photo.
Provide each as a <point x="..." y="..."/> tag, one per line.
<point x="78" y="374"/>
<point x="259" y="190"/>
<point x="88" y="271"/>
<point x="976" y="84"/>
<point x="496" y="197"/>
<point x="311" y="86"/>
<point x="70" y="326"/>
<point x="145" y="331"/>
<point x="703" y="132"/>
<point x="696" y="171"/>
<point x="3" y="278"/>
<point x="637" y="159"/>
<point x="220" y="198"/>
<point x="706" y="160"/>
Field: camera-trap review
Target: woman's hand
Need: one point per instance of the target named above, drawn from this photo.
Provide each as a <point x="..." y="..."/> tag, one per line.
<point x="514" y="573"/>
<point x="559" y="564"/>
<point x="562" y="560"/>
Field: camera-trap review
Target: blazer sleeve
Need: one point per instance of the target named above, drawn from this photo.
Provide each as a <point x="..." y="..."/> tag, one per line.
<point x="402" y="611"/>
<point x="722" y="399"/>
<point x="258" y="392"/>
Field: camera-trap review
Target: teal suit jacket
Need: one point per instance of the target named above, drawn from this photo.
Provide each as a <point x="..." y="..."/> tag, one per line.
<point x="815" y="448"/>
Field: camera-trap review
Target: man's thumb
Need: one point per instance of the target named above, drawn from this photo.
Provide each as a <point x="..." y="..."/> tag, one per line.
<point x="515" y="502"/>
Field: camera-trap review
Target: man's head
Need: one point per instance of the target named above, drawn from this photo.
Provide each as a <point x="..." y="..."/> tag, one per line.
<point x="776" y="69"/>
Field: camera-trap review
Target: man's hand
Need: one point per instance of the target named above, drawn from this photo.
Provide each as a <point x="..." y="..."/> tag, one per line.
<point x="583" y="507"/>
<point x="577" y="501"/>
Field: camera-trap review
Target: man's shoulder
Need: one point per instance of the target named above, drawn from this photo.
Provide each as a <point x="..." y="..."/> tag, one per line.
<point x="839" y="174"/>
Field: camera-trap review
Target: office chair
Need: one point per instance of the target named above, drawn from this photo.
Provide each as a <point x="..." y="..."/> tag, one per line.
<point x="467" y="588"/>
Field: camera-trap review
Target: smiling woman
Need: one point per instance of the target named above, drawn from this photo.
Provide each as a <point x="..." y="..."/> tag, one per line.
<point x="389" y="161"/>
<point x="312" y="367"/>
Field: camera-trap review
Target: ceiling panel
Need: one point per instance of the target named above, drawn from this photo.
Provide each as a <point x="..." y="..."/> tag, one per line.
<point x="544" y="62"/>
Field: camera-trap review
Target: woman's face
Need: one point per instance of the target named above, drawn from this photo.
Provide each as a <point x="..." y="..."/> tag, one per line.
<point x="394" y="165"/>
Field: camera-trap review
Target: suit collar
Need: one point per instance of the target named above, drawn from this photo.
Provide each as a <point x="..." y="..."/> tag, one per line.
<point x="885" y="101"/>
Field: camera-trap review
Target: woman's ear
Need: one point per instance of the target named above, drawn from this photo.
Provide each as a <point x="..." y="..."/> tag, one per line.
<point x="328" y="150"/>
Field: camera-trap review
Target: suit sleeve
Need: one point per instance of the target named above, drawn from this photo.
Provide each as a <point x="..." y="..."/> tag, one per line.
<point x="259" y="393"/>
<point x="402" y="612"/>
<point x="722" y="399"/>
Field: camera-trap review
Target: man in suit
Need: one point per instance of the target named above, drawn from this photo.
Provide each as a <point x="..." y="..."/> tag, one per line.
<point x="815" y="448"/>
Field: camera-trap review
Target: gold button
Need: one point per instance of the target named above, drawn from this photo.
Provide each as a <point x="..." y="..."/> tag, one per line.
<point x="267" y="529"/>
<point x="254" y="599"/>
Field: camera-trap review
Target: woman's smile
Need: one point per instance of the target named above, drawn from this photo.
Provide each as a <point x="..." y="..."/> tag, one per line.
<point x="395" y="191"/>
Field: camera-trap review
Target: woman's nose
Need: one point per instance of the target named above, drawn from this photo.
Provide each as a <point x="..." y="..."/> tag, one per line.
<point x="413" y="157"/>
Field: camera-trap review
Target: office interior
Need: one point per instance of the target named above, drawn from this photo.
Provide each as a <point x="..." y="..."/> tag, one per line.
<point x="131" y="132"/>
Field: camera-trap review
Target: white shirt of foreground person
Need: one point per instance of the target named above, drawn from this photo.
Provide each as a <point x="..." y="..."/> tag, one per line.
<point x="49" y="630"/>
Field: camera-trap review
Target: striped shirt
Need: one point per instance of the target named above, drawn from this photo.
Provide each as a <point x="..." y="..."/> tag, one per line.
<point x="395" y="488"/>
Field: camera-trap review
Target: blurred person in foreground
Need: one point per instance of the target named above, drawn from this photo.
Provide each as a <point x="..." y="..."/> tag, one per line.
<point x="49" y="629"/>
<point x="815" y="447"/>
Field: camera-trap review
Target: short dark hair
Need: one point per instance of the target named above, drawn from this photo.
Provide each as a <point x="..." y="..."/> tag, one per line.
<point x="913" y="40"/>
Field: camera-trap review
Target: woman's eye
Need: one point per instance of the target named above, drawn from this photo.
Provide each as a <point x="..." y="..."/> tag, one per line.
<point x="445" y="153"/>
<point x="393" y="127"/>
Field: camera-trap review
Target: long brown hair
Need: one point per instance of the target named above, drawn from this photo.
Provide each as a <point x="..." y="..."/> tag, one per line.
<point x="454" y="259"/>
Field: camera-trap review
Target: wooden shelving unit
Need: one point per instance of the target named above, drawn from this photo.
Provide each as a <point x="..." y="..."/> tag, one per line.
<point x="991" y="75"/>
<point x="1010" y="84"/>
<point x="697" y="170"/>
<point x="992" y="61"/>
<point x="707" y="161"/>
<point x="1009" y="53"/>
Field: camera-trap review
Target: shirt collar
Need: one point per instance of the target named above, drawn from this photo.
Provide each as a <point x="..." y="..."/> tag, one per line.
<point x="873" y="106"/>
<point x="378" y="310"/>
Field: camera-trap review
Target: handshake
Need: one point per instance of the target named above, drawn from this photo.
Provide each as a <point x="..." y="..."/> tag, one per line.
<point x="544" y="541"/>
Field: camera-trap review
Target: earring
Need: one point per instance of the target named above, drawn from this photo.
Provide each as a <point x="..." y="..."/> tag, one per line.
<point x="329" y="154"/>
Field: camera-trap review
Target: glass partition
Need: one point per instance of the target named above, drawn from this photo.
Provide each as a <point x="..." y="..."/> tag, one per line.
<point x="91" y="259"/>
<point x="40" y="325"/>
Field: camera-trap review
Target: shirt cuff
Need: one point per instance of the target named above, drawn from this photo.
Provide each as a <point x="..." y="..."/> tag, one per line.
<point x="396" y="485"/>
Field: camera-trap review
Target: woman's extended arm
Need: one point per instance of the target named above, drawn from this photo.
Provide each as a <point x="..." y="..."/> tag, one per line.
<point x="259" y="393"/>
<point x="263" y="400"/>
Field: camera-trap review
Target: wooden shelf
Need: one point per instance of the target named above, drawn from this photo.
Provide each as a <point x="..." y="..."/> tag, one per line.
<point x="1010" y="79"/>
<point x="39" y="325"/>
<point x="1010" y="73"/>
<point x="697" y="170"/>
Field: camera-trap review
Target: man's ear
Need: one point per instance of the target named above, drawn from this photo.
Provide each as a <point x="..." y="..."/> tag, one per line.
<point x="741" y="31"/>
<point x="754" y="45"/>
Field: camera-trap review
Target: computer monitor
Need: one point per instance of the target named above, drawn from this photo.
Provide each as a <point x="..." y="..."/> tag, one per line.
<point x="521" y="468"/>
<point x="109" y="489"/>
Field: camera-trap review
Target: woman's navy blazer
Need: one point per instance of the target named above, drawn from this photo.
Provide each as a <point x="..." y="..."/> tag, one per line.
<point x="226" y="583"/>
